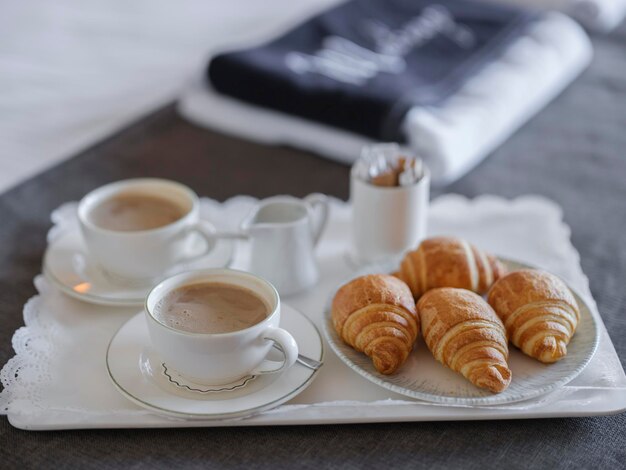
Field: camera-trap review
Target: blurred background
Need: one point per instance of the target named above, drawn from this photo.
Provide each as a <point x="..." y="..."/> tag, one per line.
<point x="72" y="72"/>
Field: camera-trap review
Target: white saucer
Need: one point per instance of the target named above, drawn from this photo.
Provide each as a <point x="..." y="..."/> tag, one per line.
<point x="140" y="376"/>
<point x="70" y="267"/>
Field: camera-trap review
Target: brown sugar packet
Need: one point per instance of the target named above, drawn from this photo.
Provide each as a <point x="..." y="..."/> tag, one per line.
<point x="391" y="177"/>
<point x="387" y="179"/>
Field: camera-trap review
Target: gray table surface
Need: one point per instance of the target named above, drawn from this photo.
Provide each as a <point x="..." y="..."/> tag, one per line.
<point x="573" y="152"/>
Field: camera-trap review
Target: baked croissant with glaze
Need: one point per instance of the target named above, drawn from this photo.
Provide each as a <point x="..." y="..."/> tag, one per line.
<point x="539" y="312"/>
<point x="465" y="334"/>
<point x="376" y="315"/>
<point x="449" y="262"/>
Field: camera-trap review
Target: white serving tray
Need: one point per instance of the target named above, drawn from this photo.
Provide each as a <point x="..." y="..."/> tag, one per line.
<point x="612" y="403"/>
<point x="337" y="395"/>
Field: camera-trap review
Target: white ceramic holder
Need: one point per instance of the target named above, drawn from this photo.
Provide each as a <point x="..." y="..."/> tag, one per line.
<point x="387" y="221"/>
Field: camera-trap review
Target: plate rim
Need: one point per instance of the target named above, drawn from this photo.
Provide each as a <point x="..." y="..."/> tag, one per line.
<point x="218" y="416"/>
<point x="333" y="339"/>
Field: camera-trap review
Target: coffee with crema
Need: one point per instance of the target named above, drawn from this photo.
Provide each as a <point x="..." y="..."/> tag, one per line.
<point x="134" y="212"/>
<point x="211" y="307"/>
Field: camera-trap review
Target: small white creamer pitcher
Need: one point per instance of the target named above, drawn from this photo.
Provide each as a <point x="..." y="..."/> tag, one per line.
<point x="283" y="232"/>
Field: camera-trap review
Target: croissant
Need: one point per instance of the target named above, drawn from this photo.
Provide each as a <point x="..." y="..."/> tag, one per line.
<point x="538" y="311"/>
<point x="449" y="262"/>
<point x="465" y="334"/>
<point x="376" y="314"/>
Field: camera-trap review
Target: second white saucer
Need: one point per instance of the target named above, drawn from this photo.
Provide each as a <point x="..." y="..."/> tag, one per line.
<point x="68" y="265"/>
<point x="139" y="375"/>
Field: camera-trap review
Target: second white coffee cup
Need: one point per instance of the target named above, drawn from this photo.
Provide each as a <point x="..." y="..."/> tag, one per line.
<point x="216" y="359"/>
<point x="145" y="255"/>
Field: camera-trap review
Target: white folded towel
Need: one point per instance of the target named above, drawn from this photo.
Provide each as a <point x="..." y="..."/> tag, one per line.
<point x="452" y="137"/>
<point x="596" y="15"/>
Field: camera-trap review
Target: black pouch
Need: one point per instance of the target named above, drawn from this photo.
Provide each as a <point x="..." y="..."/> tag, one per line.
<point x="362" y="65"/>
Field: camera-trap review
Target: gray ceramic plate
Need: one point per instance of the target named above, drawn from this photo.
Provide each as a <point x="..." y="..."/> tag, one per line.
<point x="423" y="378"/>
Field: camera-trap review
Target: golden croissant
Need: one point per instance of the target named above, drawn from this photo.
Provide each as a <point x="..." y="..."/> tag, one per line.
<point x="465" y="334"/>
<point x="376" y="314"/>
<point x="538" y="311"/>
<point x="449" y="262"/>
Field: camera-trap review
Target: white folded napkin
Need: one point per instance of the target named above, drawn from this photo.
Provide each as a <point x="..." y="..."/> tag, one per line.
<point x="597" y="15"/>
<point x="452" y="137"/>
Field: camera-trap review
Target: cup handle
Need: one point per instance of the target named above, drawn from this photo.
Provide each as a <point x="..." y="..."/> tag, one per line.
<point x="207" y="231"/>
<point x="316" y="201"/>
<point x="286" y="344"/>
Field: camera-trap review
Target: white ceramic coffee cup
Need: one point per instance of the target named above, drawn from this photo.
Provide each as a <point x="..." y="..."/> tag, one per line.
<point x="146" y="254"/>
<point x="387" y="221"/>
<point x="216" y="359"/>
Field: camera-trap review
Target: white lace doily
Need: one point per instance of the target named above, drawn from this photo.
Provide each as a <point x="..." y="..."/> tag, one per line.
<point x="58" y="376"/>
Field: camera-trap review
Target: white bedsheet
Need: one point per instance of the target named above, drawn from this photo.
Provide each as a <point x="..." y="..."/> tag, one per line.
<point x="72" y="72"/>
